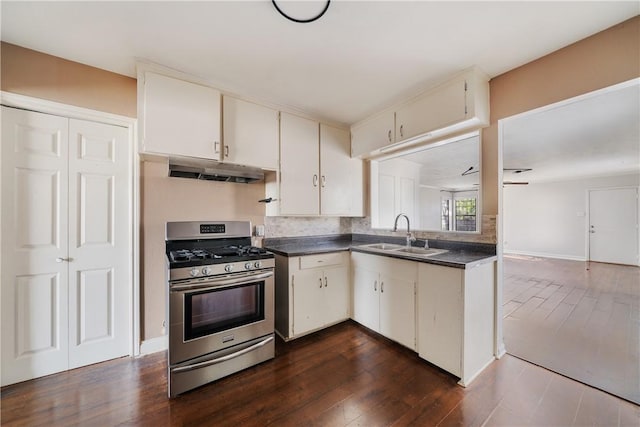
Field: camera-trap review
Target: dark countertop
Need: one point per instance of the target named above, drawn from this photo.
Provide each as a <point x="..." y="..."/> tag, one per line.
<point x="458" y="255"/>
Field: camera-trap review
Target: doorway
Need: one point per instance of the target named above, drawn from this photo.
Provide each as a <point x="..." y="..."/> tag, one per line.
<point x="570" y="298"/>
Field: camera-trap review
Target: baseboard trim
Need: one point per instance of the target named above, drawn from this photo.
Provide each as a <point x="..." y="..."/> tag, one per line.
<point x="154" y="345"/>
<point x="545" y="255"/>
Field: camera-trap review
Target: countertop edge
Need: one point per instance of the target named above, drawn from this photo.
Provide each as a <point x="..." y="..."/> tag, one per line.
<point x="436" y="259"/>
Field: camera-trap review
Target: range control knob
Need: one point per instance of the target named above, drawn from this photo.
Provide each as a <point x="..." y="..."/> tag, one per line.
<point x="257" y="264"/>
<point x="194" y="272"/>
<point x="228" y="268"/>
<point x="248" y="266"/>
<point x="206" y="271"/>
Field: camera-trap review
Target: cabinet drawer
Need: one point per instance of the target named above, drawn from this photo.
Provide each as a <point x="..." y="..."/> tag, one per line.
<point x="321" y="260"/>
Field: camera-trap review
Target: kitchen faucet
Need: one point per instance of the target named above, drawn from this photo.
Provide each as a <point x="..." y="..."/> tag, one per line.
<point x="410" y="237"/>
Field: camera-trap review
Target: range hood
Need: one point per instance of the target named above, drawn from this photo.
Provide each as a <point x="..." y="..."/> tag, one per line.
<point x="211" y="170"/>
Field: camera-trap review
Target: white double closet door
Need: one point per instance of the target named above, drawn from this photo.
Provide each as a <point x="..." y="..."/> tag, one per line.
<point x="66" y="244"/>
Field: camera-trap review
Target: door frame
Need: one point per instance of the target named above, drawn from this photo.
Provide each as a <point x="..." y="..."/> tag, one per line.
<point x="587" y="241"/>
<point x="70" y="111"/>
<point x="500" y="349"/>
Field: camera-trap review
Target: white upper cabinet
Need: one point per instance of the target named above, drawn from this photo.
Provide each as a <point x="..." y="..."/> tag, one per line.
<point x="444" y="106"/>
<point x="340" y="175"/>
<point x="317" y="174"/>
<point x="373" y="133"/>
<point x="459" y="104"/>
<point x="250" y="134"/>
<point x="299" y="166"/>
<point x="179" y="117"/>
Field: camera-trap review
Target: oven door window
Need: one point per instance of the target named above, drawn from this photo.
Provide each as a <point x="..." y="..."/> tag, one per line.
<point x="212" y="311"/>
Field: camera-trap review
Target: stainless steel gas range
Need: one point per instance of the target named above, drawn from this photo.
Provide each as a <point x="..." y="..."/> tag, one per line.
<point x="220" y="302"/>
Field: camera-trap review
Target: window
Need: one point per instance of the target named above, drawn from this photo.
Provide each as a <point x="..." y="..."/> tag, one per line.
<point x="459" y="212"/>
<point x="465" y="219"/>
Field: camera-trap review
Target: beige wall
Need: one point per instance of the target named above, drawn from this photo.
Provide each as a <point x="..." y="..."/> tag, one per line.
<point x="178" y="199"/>
<point x="31" y="73"/>
<point x="604" y="59"/>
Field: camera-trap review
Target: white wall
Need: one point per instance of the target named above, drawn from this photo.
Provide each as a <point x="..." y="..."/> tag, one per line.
<point x="549" y="219"/>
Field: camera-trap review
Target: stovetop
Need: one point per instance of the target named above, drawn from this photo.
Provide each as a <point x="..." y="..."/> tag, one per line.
<point x="179" y="258"/>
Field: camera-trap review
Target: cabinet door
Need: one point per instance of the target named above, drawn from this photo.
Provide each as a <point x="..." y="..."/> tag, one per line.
<point x="250" y="134"/>
<point x="308" y="291"/>
<point x="373" y="134"/>
<point x="180" y="118"/>
<point x="299" y="166"/>
<point x="340" y="175"/>
<point x="441" y="107"/>
<point x="397" y="310"/>
<point x="440" y="318"/>
<point x="366" y="309"/>
<point x="336" y="294"/>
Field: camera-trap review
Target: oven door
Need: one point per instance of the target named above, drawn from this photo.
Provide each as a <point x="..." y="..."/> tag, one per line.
<point x="214" y="313"/>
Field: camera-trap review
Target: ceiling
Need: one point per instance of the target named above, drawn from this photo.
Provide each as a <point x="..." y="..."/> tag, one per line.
<point x="359" y="57"/>
<point x="594" y="135"/>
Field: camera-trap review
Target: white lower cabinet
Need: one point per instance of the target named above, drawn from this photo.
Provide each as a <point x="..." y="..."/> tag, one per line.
<point x="312" y="292"/>
<point x="456" y="318"/>
<point x="384" y="296"/>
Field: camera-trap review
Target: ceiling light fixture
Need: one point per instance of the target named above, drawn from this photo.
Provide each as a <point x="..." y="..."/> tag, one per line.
<point x="301" y="21"/>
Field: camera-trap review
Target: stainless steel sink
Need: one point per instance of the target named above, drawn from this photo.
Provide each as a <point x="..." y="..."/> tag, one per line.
<point x="402" y="250"/>
<point x="421" y="251"/>
<point x="382" y="246"/>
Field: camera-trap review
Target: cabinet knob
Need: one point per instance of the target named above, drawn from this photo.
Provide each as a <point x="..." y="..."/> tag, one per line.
<point x="381" y="287"/>
<point x="320" y="282"/>
<point x="226" y="151"/>
<point x="216" y="146"/>
<point x="323" y="181"/>
<point x="402" y="131"/>
<point x="375" y="285"/>
<point x="325" y="282"/>
<point x="60" y="259"/>
<point x="315" y="180"/>
<point x="389" y="135"/>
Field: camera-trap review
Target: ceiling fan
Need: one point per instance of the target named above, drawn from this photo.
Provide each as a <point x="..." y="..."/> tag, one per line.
<point x="473" y="170"/>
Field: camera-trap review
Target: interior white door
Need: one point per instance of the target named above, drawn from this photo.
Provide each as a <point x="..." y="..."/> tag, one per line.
<point x="34" y="237"/>
<point x="613" y="225"/>
<point x="66" y="244"/>
<point x="99" y="244"/>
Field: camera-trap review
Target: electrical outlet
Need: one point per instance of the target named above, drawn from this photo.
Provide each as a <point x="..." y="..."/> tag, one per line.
<point x="259" y="231"/>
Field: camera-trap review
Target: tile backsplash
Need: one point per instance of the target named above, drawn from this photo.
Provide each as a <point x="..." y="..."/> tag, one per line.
<point x="317" y="226"/>
<point x="286" y="226"/>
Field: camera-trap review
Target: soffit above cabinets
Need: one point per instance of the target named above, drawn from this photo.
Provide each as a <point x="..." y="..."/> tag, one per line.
<point x="357" y="59"/>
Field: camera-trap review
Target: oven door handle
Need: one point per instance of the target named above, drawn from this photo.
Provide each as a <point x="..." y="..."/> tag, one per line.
<point x="221" y="283"/>
<point x="221" y="359"/>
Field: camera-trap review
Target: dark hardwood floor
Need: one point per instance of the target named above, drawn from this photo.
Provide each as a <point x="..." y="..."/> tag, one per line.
<point x="579" y="319"/>
<point x="342" y="376"/>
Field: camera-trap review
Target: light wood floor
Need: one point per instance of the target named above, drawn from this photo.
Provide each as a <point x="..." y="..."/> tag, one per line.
<point x="342" y="376"/>
<point x="579" y="319"/>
